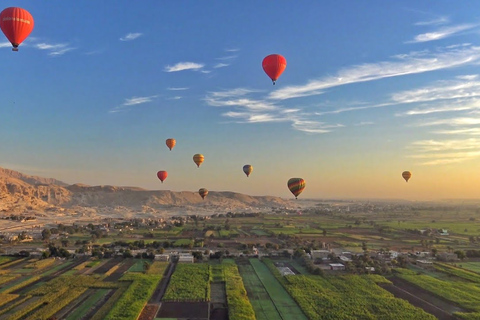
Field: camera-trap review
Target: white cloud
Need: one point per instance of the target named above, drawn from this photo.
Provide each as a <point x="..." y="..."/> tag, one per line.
<point x="232" y="50"/>
<point x="364" y="123"/>
<point x="131" y="36"/>
<point x="435" y="21"/>
<point x="442" y="33"/>
<point x="220" y="65"/>
<point x="227" y="57"/>
<point x="412" y="63"/>
<point x="175" y="98"/>
<point x="449" y="122"/>
<point x="177" y="89"/>
<point x="132" y="102"/>
<point x="461" y="131"/>
<point x="138" y="100"/>
<point x="5" y="45"/>
<point x="250" y="110"/>
<point x="55" y="49"/>
<point x="181" y="66"/>
<point x="436" y="152"/>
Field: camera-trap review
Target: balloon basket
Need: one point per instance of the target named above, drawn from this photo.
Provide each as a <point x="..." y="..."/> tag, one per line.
<point x="14" y="49"/>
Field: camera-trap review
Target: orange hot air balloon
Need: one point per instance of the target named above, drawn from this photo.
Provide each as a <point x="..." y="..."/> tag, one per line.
<point x="274" y="65"/>
<point x="198" y="159"/>
<point x="203" y="192"/>
<point x="247" y="169"/>
<point x="162" y="175"/>
<point x="16" y="23"/>
<point x="296" y="186"/>
<point x="406" y="175"/>
<point x="171" y="143"/>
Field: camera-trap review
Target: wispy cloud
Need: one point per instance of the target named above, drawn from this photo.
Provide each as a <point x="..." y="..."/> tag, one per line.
<point x="364" y="123"/>
<point x="177" y="89"/>
<point x="227" y="57"/>
<point x="255" y="110"/>
<point x="220" y="65"/>
<point x="131" y="36"/>
<point x="461" y="131"/>
<point x="462" y="121"/>
<point x="5" y="44"/>
<point x="175" y="98"/>
<point x="411" y="63"/>
<point x="132" y="102"/>
<point x="54" y="49"/>
<point x="442" y="33"/>
<point x="435" y="152"/>
<point x="181" y="66"/>
<point x="434" y="21"/>
<point x="232" y="50"/>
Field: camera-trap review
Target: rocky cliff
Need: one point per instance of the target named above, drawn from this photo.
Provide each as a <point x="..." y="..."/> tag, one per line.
<point x="20" y="192"/>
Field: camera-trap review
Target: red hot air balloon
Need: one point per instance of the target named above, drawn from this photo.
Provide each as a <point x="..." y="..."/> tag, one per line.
<point x="16" y="23"/>
<point x="171" y="143"/>
<point x="162" y="175"/>
<point x="273" y="65"/>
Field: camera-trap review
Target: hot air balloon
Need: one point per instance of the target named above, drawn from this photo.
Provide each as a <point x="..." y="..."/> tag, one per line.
<point x="406" y="175"/>
<point x="203" y="192"/>
<point x="198" y="159"/>
<point x="16" y="23"/>
<point x="273" y="65"/>
<point x="162" y="175"/>
<point x="171" y="143"/>
<point x="296" y="186"/>
<point x="247" y="169"/>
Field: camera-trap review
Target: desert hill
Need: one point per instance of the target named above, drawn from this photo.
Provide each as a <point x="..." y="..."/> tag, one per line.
<point x="20" y="192"/>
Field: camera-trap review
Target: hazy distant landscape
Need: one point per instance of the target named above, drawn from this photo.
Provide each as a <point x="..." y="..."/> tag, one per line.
<point x="108" y="252"/>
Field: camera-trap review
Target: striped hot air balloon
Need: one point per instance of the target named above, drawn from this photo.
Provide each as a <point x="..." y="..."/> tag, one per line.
<point x="198" y="159"/>
<point x="203" y="192"/>
<point x="296" y="186"/>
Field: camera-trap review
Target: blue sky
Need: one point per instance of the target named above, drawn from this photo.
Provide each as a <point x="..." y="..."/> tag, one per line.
<point x="371" y="89"/>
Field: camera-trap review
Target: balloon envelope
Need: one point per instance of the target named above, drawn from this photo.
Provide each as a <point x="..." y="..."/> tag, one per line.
<point x="247" y="169"/>
<point x="16" y="23"/>
<point x="203" y="192"/>
<point x="162" y="175"/>
<point x="171" y="143"/>
<point x="406" y="175"/>
<point x="274" y="65"/>
<point x="296" y="186"/>
<point x="198" y="159"/>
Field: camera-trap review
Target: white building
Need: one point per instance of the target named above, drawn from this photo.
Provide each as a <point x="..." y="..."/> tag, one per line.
<point x="186" y="258"/>
<point x="336" y="266"/>
<point x="162" y="257"/>
<point x="320" y="254"/>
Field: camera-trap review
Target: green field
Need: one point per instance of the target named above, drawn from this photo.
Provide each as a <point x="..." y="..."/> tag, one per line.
<point x="258" y="295"/>
<point x="189" y="282"/>
<point x="87" y="305"/>
<point x="284" y="304"/>
<point x="472" y="266"/>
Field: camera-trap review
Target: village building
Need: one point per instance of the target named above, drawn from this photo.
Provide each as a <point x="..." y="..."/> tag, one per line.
<point x="336" y="266"/>
<point x="320" y="254"/>
<point x="162" y="257"/>
<point x="186" y="258"/>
